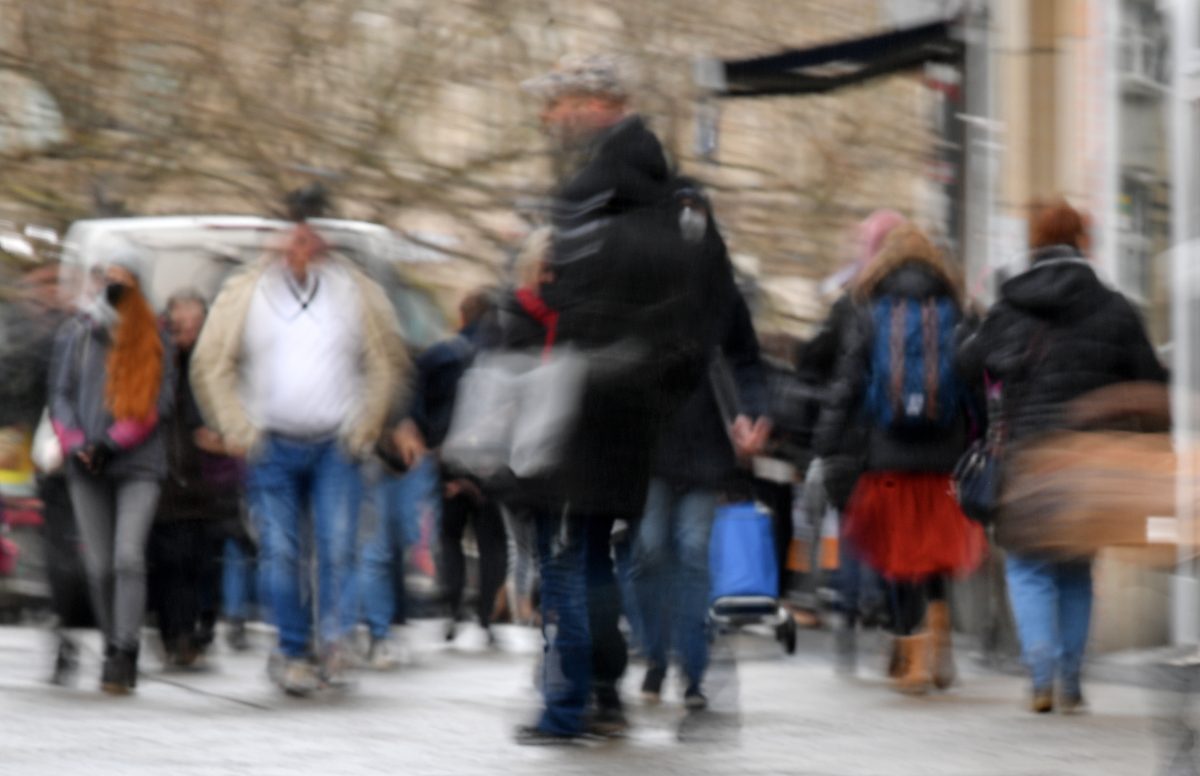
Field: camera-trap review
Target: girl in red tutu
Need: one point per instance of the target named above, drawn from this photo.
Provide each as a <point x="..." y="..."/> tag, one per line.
<point x="897" y="379"/>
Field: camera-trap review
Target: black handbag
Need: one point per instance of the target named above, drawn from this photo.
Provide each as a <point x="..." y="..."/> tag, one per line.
<point x="977" y="480"/>
<point x="978" y="475"/>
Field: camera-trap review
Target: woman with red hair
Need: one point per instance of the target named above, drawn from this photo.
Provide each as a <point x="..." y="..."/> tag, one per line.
<point x="108" y="394"/>
<point x="1055" y="334"/>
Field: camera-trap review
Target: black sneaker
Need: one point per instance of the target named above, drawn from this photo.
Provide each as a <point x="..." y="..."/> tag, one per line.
<point x="694" y="700"/>
<point x="532" y="735"/>
<point x="606" y="722"/>
<point x="652" y="685"/>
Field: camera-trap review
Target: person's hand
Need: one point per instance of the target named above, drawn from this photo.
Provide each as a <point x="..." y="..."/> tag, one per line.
<point x="95" y="456"/>
<point x="461" y="487"/>
<point x="84" y="456"/>
<point x="209" y="441"/>
<point x="750" y="437"/>
<point x="409" y="442"/>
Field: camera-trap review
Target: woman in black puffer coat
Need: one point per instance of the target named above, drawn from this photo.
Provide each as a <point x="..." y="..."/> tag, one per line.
<point x="1056" y="334"/>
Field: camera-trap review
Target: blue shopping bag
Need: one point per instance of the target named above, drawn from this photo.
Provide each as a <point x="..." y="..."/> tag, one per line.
<point x="741" y="553"/>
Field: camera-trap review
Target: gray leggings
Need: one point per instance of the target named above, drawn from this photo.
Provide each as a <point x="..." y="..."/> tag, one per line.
<point x="114" y="519"/>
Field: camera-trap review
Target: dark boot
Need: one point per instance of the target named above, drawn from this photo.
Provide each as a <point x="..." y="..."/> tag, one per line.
<point x="66" y="661"/>
<point x="131" y="662"/>
<point x="117" y="676"/>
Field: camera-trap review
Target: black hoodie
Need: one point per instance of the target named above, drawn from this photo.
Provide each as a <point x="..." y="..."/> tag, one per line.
<point x="1057" y="333"/>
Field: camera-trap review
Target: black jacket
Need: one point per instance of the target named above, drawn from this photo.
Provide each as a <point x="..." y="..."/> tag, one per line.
<point x="886" y="449"/>
<point x="695" y="450"/>
<point x="1056" y="334"/>
<point x="199" y="485"/>
<point x="642" y="304"/>
<point x="439" y="369"/>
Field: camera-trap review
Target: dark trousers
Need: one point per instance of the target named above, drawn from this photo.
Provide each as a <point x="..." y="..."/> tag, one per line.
<point x="488" y="526"/>
<point x="777" y="497"/>
<point x="910" y="599"/>
<point x="610" y="654"/>
<point x="585" y="652"/>
<point x="184" y="577"/>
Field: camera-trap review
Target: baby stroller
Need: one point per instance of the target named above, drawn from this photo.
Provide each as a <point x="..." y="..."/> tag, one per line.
<point x="745" y="573"/>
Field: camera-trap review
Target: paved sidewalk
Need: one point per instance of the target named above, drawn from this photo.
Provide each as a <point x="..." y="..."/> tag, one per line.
<point x="454" y="710"/>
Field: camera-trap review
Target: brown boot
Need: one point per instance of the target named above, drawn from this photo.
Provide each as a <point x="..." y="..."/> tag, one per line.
<point x="915" y="652"/>
<point x="944" y="672"/>
<point x="895" y="666"/>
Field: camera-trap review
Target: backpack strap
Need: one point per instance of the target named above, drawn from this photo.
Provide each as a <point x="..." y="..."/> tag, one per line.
<point x="899" y="323"/>
<point x="929" y="329"/>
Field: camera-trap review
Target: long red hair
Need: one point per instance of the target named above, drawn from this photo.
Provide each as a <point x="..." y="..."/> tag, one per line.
<point x="135" y="360"/>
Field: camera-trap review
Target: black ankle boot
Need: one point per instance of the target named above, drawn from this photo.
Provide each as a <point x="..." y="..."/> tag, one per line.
<point x="120" y="672"/>
<point x="131" y="660"/>
<point x="112" y="675"/>
<point x="66" y="661"/>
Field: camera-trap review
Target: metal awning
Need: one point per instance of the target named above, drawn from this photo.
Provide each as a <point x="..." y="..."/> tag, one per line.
<point x="834" y="65"/>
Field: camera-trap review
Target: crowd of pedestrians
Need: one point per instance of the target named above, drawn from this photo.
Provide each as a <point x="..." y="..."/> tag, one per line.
<point x="276" y="452"/>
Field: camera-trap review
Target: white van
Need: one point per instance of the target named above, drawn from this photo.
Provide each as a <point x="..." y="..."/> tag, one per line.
<point x="198" y="252"/>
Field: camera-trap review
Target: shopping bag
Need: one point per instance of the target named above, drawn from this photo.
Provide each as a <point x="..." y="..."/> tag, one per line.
<point x="742" y="558"/>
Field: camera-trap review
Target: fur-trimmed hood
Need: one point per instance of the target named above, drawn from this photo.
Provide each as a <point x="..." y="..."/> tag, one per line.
<point x="907" y="245"/>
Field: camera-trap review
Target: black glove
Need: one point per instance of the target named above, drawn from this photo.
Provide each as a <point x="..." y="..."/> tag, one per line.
<point x="100" y="453"/>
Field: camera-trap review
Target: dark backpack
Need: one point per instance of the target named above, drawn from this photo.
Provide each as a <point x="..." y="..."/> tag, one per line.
<point x="913" y="384"/>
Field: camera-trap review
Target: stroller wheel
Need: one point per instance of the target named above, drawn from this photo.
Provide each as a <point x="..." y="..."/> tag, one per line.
<point x="786" y="635"/>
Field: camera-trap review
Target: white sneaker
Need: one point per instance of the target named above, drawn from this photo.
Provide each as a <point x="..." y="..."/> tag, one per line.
<point x="380" y="656"/>
<point x="299" y="678"/>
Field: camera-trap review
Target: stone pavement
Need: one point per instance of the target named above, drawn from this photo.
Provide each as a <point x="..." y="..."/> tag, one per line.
<point x="453" y="711"/>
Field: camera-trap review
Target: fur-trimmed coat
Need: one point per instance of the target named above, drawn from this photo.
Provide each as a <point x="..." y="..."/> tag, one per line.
<point x="907" y="266"/>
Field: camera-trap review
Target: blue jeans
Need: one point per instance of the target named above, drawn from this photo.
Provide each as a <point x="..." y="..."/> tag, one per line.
<point x="296" y="478"/>
<point x="400" y="505"/>
<point x="671" y="576"/>
<point x="623" y="556"/>
<point x="237" y="581"/>
<point x="567" y="665"/>
<point x="1052" y="603"/>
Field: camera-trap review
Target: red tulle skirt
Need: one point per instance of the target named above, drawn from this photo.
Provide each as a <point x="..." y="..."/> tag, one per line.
<point x="907" y="526"/>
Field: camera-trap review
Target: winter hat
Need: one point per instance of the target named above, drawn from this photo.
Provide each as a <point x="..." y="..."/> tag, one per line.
<point x="599" y="75"/>
<point x="128" y="257"/>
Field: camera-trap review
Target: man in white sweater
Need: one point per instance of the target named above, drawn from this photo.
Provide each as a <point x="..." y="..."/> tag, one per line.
<point x="298" y="366"/>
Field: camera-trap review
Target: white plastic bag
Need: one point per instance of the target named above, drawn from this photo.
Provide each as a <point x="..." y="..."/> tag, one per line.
<point x="515" y="412"/>
<point x="47" y="452"/>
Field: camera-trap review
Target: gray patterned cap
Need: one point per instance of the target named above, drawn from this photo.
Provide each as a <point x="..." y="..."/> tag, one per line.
<point x="598" y="74"/>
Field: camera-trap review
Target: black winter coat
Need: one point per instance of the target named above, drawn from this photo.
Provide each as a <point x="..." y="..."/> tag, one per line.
<point x="643" y="307"/>
<point x="696" y="450"/>
<point x="886" y="449"/>
<point x="1056" y="334"/>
